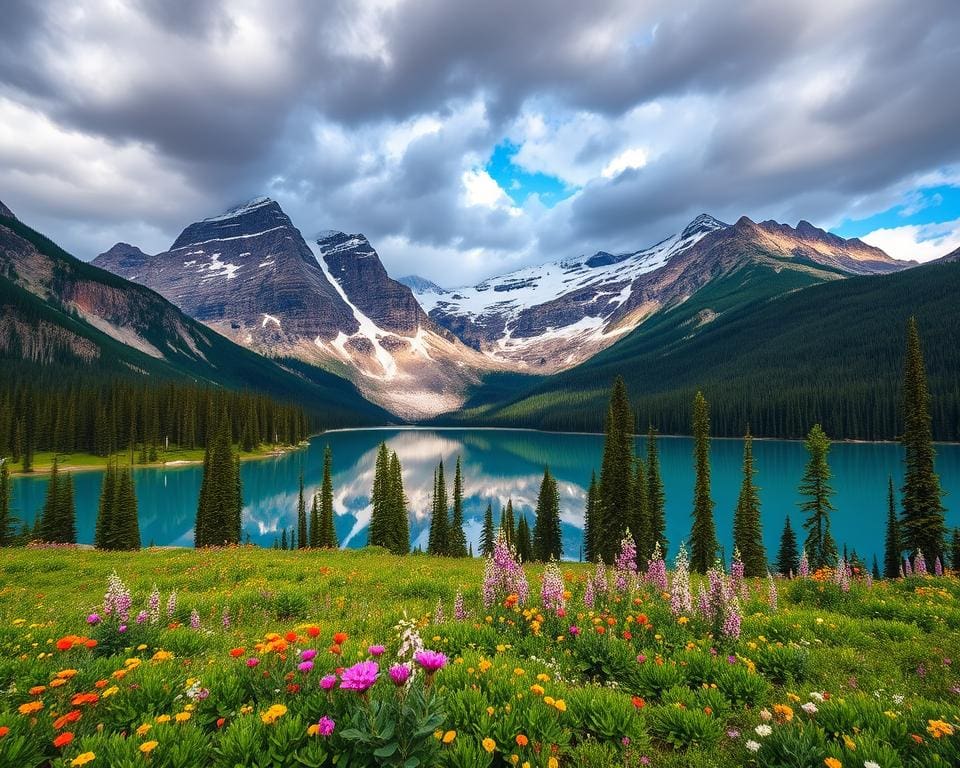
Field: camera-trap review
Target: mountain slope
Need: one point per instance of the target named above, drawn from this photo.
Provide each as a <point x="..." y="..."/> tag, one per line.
<point x="553" y="316"/>
<point x="829" y="352"/>
<point x="59" y="311"/>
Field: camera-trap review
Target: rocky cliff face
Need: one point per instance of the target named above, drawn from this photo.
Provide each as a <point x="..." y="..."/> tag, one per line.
<point x="6" y="212"/>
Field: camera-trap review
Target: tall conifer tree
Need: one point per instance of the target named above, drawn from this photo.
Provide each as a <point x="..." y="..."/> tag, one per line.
<point x="488" y="536"/>
<point x="640" y="527"/>
<point x="314" y="523"/>
<point x="457" y="541"/>
<point x="703" y="534"/>
<point x="524" y="545"/>
<point x="788" y="559"/>
<point x="819" y="546"/>
<point x="438" y="539"/>
<point x="399" y="538"/>
<point x="547" y="543"/>
<point x="377" y="532"/>
<point x="220" y="504"/>
<point x="924" y="526"/>
<point x="616" y="472"/>
<point x="302" y="534"/>
<point x="7" y="522"/>
<point x="506" y="522"/>
<point x="747" y="529"/>
<point x="656" y="499"/>
<point x="591" y="521"/>
<point x="955" y="549"/>
<point x="892" y="549"/>
<point x="328" y="533"/>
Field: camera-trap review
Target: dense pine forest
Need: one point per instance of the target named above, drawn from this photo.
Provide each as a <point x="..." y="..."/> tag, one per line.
<point x="829" y="354"/>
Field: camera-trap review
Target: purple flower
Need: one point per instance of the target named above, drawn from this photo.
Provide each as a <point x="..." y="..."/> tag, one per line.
<point x="326" y="726"/>
<point x="399" y="673"/>
<point x="252" y="662"/>
<point x="641" y="659"/>
<point x="431" y="661"/>
<point x="305" y="666"/>
<point x="574" y="630"/>
<point x="122" y="628"/>
<point x="360" y="677"/>
<point x="328" y="681"/>
<point x="142" y="617"/>
<point x="376" y="650"/>
<point x="733" y="733"/>
<point x="194" y="619"/>
<point x="93" y="619"/>
<point x="308" y="654"/>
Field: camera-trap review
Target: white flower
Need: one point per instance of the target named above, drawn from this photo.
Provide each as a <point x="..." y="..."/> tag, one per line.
<point x="870" y="764"/>
<point x="898" y="699"/>
<point x="810" y="708"/>
<point x="753" y="746"/>
<point x="816" y="695"/>
<point x="763" y="730"/>
<point x="765" y="715"/>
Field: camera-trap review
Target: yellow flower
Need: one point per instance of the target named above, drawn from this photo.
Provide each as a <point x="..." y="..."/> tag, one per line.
<point x="939" y="728"/>
<point x="148" y="746"/>
<point x="143" y="729"/>
<point x="141" y="647"/>
<point x="489" y="744"/>
<point x="313" y="730"/>
<point x="182" y="717"/>
<point x="832" y="762"/>
<point x="66" y="674"/>
<point x="449" y="736"/>
<point x="553" y="763"/>
<point x="272" y="714"/>
<point x="163" y="718"/>
<point x="490" y="711"/>
<point x="543" y="677"/>
<point x="849" y="743"/>
<point x="561" y="705"/>
<point x="682" y="620"/>
<point x="485" y="665"/>
<point x="162" y="656"/>
<point x="109" y="692"/>
<point x="537" y="689"/>
<point x="518" y="671"/>
<point x="83" y="759"/>
<point x="548" y="700"/>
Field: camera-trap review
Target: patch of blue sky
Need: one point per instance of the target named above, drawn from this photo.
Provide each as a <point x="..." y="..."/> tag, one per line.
<point x="932" y="205"/>
<point x="519" y="184"/>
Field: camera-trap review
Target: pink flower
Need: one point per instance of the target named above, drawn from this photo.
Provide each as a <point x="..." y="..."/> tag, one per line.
<point x="328" y="681"/>
<point x="574" y="631"/>
<point x="431" y="661"/>
<point x="252" y="662"/>
<point x="326" y="726"/>
<point x="93" y="618"/>
<point x="376" y="650"/>
<point x="308" y="654"/>
<point x="399" y="673"/>
<point x="360" y="677"/>
<point x="305" y="666"/>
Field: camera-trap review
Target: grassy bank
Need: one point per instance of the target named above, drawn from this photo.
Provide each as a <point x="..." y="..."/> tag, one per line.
<point x="818" y="674"/>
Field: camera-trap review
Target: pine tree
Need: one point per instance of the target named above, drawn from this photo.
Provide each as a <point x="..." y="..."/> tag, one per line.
<point x="506" y="522"/>
<point x="283" y="539"/>
<point x="656" y="503"/>
<point x="328" y="533"/>
<point x="955" y="549"/>
<point x="487" y="537"/>
<point x="102" y="536"/>
<point x="51" y="505"/>
<point x="314" y="534"/>
<point x="639" y="525"/>
<point x="125" y="518"/>
<point x="219" y="507"/>
<point x="747" y="529"/>
<point x="703" y="535"/>
<point x="924" y="526"/>
<point x="616" y="473"/>
<point x="547" y="543"/>
<point x="380" y="500"/>
<point x="892" y="549"/>
<point x="399" y="538"/>
<point x="66" y="513"/>
<point x="875" y="571"/>
<point x="456" y="540"/>
<point x="302" y="540"/>
<point x="819" y="545"/>
<point x="438" y="539"/>
<point x="7" y="522"/>
<point x="524" y="545"/>
<point x="788" y="560"/>
<point x="590" y="521"/>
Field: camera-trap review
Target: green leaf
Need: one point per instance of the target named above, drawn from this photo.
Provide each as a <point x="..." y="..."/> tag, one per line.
<point x="386" y="750"/>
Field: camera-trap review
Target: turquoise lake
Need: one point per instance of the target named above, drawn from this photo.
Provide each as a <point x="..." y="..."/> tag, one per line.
<point x="502" y="464"/>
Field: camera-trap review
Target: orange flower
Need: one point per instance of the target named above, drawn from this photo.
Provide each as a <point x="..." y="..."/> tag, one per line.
<point x="237" y="652"/>
<point x="101" y="684"/>
<point x="335" y="649"/>
<point x="522" y="740"/>
<point x="84" y="698"/>
<point x="220" y="722"/>
<point x="37" y="690"/>
<point x="340" y="638"/>
<point x="782" y="713"/>
<point x="63" y="739"/>
<point x="64" y="644"/>
<point x="291" y="637"/>
<point x="638" y="702"/>
<point x="66" y="674"/>
<point x="313" y="631"/>
<point x="57" y="682"/>
<point x="70" y="717"/>
<point x="30" y="708"/>
<point x="4" y="730"/>
<point x="832" y="762"/>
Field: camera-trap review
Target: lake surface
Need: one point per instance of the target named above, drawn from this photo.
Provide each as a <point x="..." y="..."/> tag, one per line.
<point x="502" y="464"/>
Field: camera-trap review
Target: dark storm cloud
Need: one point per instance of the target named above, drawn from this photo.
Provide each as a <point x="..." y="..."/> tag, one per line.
<point x="188" y="106"/>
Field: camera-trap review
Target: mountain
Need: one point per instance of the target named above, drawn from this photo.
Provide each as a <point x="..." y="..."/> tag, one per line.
<point x="550" y="317"/>
<point x="952" y="256"/>
<point x="5" y="213"/>
<point x="250" y="274"/>
<point x="59" y="312"/>
<point x="420" y="284"/>
<point x="776" y="357"/>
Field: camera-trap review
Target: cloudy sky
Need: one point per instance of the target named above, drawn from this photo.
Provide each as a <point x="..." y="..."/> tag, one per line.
<point x="468" y="138"/>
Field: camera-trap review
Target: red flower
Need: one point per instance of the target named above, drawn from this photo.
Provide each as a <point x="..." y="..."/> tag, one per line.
<point x="313" y="631"/>
<point x="638" y="702"/>
<point x="63" y="739"/>
<point x="340" y="638"/>
<point x="221" y="721"/>
<point x="290" y="637"/>
<point x="237" y="652"/>
<point x="335" y="649"/>
<point x="293" y="688"/>
<point x="4" y="730"/>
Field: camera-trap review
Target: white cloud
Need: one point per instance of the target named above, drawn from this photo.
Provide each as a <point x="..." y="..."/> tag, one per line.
<point x="633" y="158"/>
<point x="479" y="188"/>
<point x="920" y="242"/>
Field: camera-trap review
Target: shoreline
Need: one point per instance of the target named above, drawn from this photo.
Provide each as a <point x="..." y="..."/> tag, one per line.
<point x="173" y="464"/>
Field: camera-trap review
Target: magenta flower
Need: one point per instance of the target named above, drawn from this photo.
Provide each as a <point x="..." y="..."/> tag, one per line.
<point x="574" y="631"/>
<point x="376" y="650"/>
<point x="326" y="726"/>
<point x="252" y="662"/>
<point x="305" y="666"/>
<point x="431" y="661"/>
<point x="328" y="681"/>
<point x="399" y="673"/>
<point x="308" y="654"/>
<point x="93" y="619"/>
<point x="360" y="677"/>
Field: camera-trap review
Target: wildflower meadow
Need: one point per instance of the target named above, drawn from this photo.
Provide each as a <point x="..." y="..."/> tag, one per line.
<point x="249" y="657"/>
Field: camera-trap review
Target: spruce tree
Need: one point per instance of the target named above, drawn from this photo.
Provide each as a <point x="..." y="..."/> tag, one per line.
<point x="102" y="535"/>
<point x="377" y="532"/>
<point x="819" y="545"/>
<point x="955" y="549"/>
<point x="302" y="540"/>
<point x="747" y="529"/>
<point x="283" y="539"/>
<point x="616" y="473"/>
<point x="703" y="535"/>
<point x="590" y="521"/>
<point x="488" y="536"/>
<point x="438" y="538"/>
<point x="639" y="524"/>
<point x="66" y="516"/>
<point x="125" y="518"/>
<point x="51" y="505"/>
<point x="314" y="535"/>
<point x="547" y="544"/>
<point x="399" y="533"/>
<point x="788" y="560"/>
<point x="7" y="522"/>
<point x="328" y="533"/>
<point x="524" y="545"/>
<point x="892" y="549"/>
<point x="219" y="507"/>
<point x="506" y="522"/>
<point x="457" y="541"/>
<point x="924" y="526"/>
<point x="656" y="499"/>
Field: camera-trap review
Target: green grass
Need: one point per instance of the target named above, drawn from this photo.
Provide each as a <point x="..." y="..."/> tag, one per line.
<point x="877" y="662"/>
